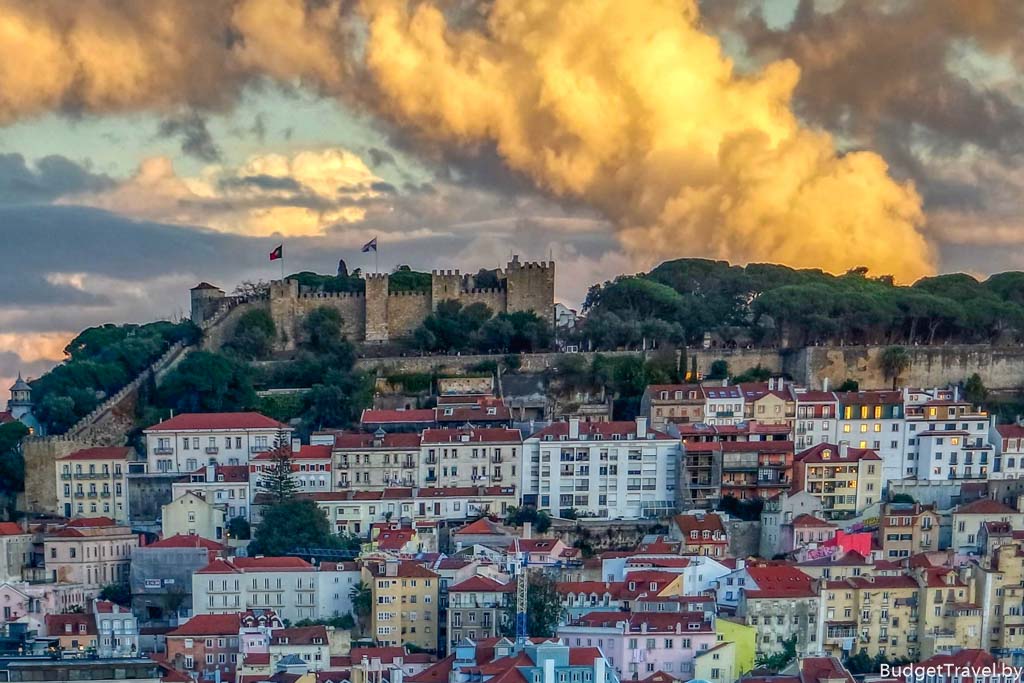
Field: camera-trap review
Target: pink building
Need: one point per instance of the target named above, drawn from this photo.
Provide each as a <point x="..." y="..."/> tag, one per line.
<point x="640" y="644"/>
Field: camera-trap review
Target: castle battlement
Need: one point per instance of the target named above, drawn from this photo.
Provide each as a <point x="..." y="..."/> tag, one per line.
<point x="331" y="295"/>
<point x="494" y="290"/>
<point x="375" y="276"/>
<point x="532" y="265"/>
<point x="446" y="272"/>
<point x="409" y="293"/>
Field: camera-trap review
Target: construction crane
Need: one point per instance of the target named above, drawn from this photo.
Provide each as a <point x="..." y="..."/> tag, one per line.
<point x="521" y="571"/>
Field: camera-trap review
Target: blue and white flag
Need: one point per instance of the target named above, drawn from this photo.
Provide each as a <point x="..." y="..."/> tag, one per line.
<point x="370" y="246"/>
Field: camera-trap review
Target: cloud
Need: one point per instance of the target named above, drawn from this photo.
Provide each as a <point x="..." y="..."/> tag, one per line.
<point x="49" y="178"/>
<point x="269" y="194"/>
<point x="196" y="140"/>
<point x="633" y="109"/>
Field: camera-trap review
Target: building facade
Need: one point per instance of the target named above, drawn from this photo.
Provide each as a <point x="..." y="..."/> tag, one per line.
<point x="186" y="442"/>
<point x="93" y="483"/>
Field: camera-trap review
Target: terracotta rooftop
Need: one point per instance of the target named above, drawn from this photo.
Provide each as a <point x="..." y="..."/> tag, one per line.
<point x="217" y="421"/>
<point x="208" y="625"/>
<point x="100" y="453"/>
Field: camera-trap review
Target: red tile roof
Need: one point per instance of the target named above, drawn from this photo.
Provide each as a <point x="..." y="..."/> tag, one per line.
<point x="91" y="522"/>
<point x="300" y="635"/>
<point x="482" y="584"/>
<point x="104" y="453"/>
<point x="477" y="435"/>
<point x="57" y="624"/>
<point x="477" y="413"/>
<point x="236" y="474"/>
<point x="375" y="416"/>
<point x="242" y="565"/>
<point x="985" y="506"/>
<point x="606" y="430"/>
<point x="806" y="520"/>
<point x="707" y="522"/>
<point x="363" y="440"/>
<point x="208" y="625"/>
<point x="779" y="581"/>
<point x="405" y="570"/>
<point x="305" y="452"/>
<point x="11" y="529"/>
<point x="384" y="654"/>
<point x="214" y="421"/>
<point x="1011" y="431"/>
<point x="756" y="446"/>
<point x="483" y="527"/>
<point x="870" y="397"/>
<point x="816" y="454"/>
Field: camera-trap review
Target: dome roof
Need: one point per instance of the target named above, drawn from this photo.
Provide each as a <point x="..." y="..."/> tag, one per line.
<point x="21" y="385"/>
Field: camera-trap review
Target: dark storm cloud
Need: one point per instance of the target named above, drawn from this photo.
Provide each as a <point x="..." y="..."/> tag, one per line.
<point x="263" y="182"/>
<point x="379" y="157"/>
<point x="48" y="179"/>
<point x="191" y="130"/>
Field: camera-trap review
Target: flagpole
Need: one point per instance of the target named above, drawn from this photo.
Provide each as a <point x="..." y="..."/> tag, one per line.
<point x="376" y="258"/>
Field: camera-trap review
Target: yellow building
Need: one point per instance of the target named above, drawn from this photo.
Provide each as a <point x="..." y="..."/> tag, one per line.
<point x="744" y="639"/>
<point x="908" y="529"/>
<point x="717" y="665"/>
<point x="949" y="618"/>
<point x="871" y="614"/>
<point x="846" y="480"/>
<point x="190" y="514"/>
<point x="997" y="581"/>
<point x="405" y="603"/>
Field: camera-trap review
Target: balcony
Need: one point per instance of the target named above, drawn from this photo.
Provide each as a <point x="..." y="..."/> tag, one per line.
<point x="431" y="460"/>
<point x="163" y="451"/>
<point x="66" y="476"/>
<point x="212" y="450"/>
<point x="93" y="494"/>
<point x="259" y="448"/>
<point x="430" y="477"/>
<point x="79" y="494"/>
<point x="344" y="484"/>
<point x="409" y="464"/>
<point x="497" y="476"/>
<point x="496" y="459"/>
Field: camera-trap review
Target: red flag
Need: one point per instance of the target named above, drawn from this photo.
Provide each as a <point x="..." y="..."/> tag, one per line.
<point x="277" y="253"/>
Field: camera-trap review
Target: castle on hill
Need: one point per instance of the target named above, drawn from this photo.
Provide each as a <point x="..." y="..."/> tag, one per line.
<point x="380" y="315"/>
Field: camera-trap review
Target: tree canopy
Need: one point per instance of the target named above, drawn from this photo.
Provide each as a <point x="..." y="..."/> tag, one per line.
<point x="253" y="336"/>
<point x="780" y="305"/>
<point x="294" y="523"/>
<point x="208" y="382"/>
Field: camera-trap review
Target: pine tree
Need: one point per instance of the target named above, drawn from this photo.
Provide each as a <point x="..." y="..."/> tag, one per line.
<point x="278" y="481"/>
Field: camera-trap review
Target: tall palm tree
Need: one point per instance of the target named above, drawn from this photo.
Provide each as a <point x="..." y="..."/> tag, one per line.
<point x="362" y="605"/>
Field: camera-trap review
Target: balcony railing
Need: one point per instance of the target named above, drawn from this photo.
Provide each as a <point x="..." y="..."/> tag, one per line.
<point x="163" y="451"/>
<point x="212" y="450"/>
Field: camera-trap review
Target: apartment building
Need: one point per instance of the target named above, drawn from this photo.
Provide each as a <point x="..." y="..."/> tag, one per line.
<point x="335" y="581"/>
<point x="846" y="480"/>
<point x="206" y="646"/>
<point x="875" y="420"/>
<point x="778" y="517"/>
<point x="191" y="514"/>
<point x="286" y="585"/>
<point x="184" y="443"/>
<point x="311" y="466"/>
<point x="780" y="602"/>
<point x="876" y="615"/>
<point x="968" y="518"/>
<point x="405" y="603"/>
<point x="74" y="632"/>
<point x="225" y="486"/>
<point x="161" y="574"/>
<point x="816" y="417"/>
<point x="371" y="462"/>
<point x="639" y="644"/>
<point x="723" y="405"/>
<point x="607" y="469"/>
<point x="356" y="511"/>
<point x="470" y="456"/>
<point x="997" y="582"/>
<point x="310" y="645"/>
<point x="756" y="469"/>
<point x="768" y="402"/>
<point x="950" y="619"/>
<point x="117" y="630"/>
<point x="908" y="529"/>
<point x="92" y="483"/>
<point x="92" y="551"/>
<point x="16" y="549"/>
<point x="478" y="608"/>
<point x="947" y="439"/>
<point x="700" y="475"/>
<point x="666" y="404"/>
<point x="700" y="534"/>
<point x="1008" y="441"/>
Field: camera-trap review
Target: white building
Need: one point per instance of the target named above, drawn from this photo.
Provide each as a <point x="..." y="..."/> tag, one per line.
<point x="335" y="581"/>
<point x="311" y="467"/>
<point x="947" y="439"/>
<point x="601" y="469"/>
<point x="376" y="461"/>
<point x="15" y="550"/>
<point x="117" y="630"/>
<point x="224" y="486"/>
<point x="471" y="456"/>
<point x="1008" y="440"/>
<point x="874" y="420"/>
<point x="92" y="483"/>
<point x="188" y="441"/>
<point x="355" y="511"/>
<point x="287" y="585"/>
<point x="816" y="417"/>
<point x="723" y="405"/>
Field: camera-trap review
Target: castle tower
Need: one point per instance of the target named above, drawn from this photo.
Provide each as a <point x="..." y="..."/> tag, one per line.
<point x="377" y="307"/>
<point x="21" y="399"/>
<point x="206" y="299"/>
<point x="284" y="311"/>
<point x="531" y="287"/>
<point x="444" y="285"/>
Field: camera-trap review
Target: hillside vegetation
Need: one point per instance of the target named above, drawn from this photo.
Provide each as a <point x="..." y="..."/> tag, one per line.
<point x="765" y="304"/>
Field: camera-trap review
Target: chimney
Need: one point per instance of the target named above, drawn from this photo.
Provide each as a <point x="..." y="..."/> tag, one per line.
<point x="296" y="445"/>
<point x="549" y="670"/>
<point x="574" y="428"/>
<point x="824" y="384"/>
<point x="844" y="449"/>
<point x="527" y="531"/>
<point x="725" y="381"/>
<point x="211" y="473"/>
<point x="397" y="675"/>
<point x="391" y="568"/>
<point x="599" y="673"/>
<point x="641" y="427"/>
<point x="781" y="384"/>
<point x="771" y="383"/>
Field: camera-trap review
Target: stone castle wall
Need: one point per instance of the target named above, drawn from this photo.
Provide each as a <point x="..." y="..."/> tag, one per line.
<point x="406" y="312"/>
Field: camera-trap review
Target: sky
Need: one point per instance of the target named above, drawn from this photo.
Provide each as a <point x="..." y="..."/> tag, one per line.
<point x="145" y="147"/>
